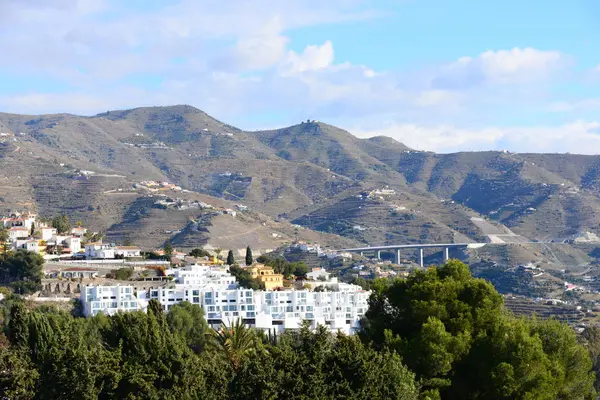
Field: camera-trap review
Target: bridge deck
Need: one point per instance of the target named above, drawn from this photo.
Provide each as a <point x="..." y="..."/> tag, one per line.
<point x="416" y="246"/>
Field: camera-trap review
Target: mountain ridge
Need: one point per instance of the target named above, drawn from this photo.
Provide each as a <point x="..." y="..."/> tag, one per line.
<point x="291" y="173"/>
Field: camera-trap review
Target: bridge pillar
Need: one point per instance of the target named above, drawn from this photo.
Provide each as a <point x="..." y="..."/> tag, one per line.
<point x="421" y="258"/>
<point x="397" y="256"/>
<point x="378" y="254"/>
<point x="446" y="254"/>
<point x="361" y="254"/>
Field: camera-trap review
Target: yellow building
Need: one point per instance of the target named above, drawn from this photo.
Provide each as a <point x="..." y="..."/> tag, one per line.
<point x="266" y="275"/>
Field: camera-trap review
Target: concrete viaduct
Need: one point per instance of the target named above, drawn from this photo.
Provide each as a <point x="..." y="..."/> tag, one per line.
<point x="397" y="248"/>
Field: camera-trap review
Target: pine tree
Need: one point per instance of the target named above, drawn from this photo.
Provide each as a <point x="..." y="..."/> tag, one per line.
<point x="230" y="258"/>
<point x="168" y="248"/>
<point x="32" y="229"/>
<point x="249" y="258"/>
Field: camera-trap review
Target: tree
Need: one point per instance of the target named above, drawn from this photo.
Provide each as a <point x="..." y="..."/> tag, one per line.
<point x="61" y="223"/>
<point x="168" y="248"/>
<point x="590" y="339"/>
<point x="235" y="342"/>
<point x="187" y="319"/>
<point x="32" y="232"/>
<point x="230" y="258"/>
<point x="218" y="252"/>
<point x="4" y="242"/>
<point x="198" y="252"/>
<point x="17" y="375"/>
<point x="23" y="271"/>
<point x="453" y="332"/>
<point x="249" y="258"/>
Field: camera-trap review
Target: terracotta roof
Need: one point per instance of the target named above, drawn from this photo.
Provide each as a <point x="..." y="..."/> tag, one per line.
<point x="127" y="248"/>
<point x="18" y="228"/>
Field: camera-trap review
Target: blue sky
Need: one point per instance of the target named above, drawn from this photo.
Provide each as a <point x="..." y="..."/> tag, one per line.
<point x="440" y="75"/>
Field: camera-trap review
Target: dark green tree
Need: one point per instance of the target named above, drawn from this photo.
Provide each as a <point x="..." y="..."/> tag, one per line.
<point x="32" y="232"/>
<point x="230" y="258"/>
<point x="18" y="376"/>
<point x="22" y="270"/>
<point x="168" y="248"/>
<point x="453" y="332"/>
<point x="590" y="339"/>
<point x="187" y="319"/>
<point x="61" y="223"/>
<point x="249" y="258"/>
<point x="198" y="252"/>
<point x="4" y="242"/>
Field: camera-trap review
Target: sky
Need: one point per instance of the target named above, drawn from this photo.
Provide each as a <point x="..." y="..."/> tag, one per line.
<point x="438" y="75"/>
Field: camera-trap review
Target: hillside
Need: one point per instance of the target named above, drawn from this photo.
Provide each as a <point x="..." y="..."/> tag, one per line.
<point x="312" y="174"/>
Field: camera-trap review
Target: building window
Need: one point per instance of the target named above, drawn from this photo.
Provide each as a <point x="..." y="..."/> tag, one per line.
<point x="196" y="300"/>
<point x="196" y="293"/>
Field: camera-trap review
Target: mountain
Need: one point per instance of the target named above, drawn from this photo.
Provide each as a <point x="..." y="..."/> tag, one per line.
<point x="346" y="190"/>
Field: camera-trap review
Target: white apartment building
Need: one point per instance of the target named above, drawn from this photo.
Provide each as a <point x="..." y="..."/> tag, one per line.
<point x="272" y="311"/>
<point x="108" y="300"/>
<point x="16" y="232"/>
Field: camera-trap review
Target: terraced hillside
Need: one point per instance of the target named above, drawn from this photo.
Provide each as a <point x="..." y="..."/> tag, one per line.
<point x="310" y="173"/>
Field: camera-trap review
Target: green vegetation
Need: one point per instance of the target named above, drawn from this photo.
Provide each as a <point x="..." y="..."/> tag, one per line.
<point x="61" y="223"/>
<point x="230" y="258"/>
<point x="282" y="266"/>
<point x="22" y="271"/>
<point x="122" y="274"/>
<point x="198" y="252"/>
<point x="52" y="355"/>
<point x="439" y="334"/>
<point x="168" y="248"/>
<point x="453" y="332"/>
<point x="249" y="258"/>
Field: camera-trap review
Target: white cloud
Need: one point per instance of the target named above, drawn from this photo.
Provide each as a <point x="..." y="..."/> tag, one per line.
<point x="232" y="59"/>
<point x="313" y="58"/>
<point x="514" y="66"/>
<point x="576" y="137"/>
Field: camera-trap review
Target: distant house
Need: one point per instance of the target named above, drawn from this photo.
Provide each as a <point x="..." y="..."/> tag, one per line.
<point x="29" y="245"/>
<point x="266" y="275"/>
<point x="78" y="231"/>
<point x="47" y="233"/>
<point x="127" y="251"/>
<point x="15" y="233"/>
<point x="99" y="250"/>
<point x="318" y="273"/>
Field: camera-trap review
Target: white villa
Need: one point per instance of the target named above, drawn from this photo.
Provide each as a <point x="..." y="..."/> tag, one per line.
<point x="99" y="250"/>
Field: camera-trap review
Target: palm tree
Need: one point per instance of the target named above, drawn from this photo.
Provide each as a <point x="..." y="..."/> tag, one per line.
<point x="236" y="342"/>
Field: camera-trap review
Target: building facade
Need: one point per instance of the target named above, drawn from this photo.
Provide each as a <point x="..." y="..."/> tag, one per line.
<point x="108" y="300"/>
<point x="272" y="311"/>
